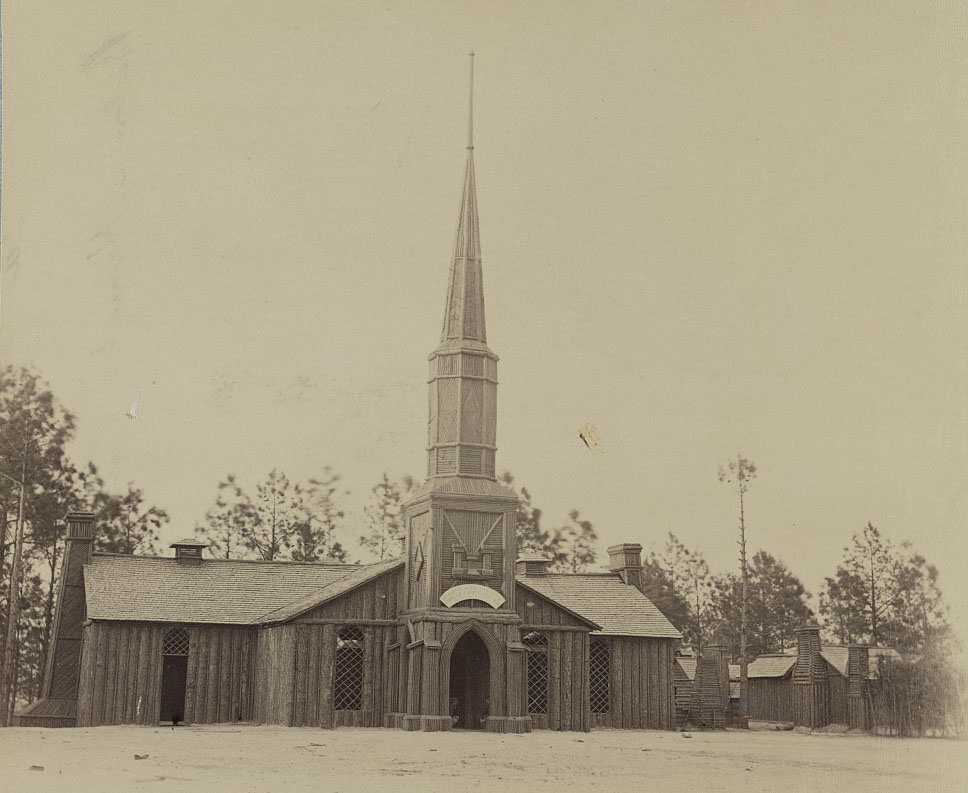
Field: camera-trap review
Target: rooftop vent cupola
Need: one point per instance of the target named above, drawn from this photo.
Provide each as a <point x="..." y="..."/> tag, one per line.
<point x="532" y="564"/>
<point x="188" y="551"/>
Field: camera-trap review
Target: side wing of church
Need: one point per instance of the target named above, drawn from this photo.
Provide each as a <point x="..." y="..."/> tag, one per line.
<point x="460" y="633"/>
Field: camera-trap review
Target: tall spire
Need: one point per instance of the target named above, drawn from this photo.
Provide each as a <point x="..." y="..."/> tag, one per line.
<point x="464" y="313"/>
<point x="470" y="107"/>
<point x="463" y="370"/>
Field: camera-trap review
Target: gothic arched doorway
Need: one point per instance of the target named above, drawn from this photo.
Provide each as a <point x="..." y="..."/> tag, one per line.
<point x="470" y="677"/>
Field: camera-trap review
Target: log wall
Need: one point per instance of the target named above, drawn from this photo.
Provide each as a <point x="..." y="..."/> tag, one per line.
<point x="640" y="685"/>
<point x="121" y="666"/>
<point x="771" y="698"/>
<point x="567" y="680"/>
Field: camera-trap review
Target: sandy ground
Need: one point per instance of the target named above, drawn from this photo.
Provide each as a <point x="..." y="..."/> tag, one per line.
<point x="267" y="759"/>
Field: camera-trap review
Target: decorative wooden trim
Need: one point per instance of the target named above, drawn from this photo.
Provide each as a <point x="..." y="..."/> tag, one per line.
<point x="543" y="628"/>
<point x="345" y="621"/>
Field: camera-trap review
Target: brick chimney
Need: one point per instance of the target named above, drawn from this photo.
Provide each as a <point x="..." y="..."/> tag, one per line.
<point x="626" y="560"/>
<point x="189" y="550"/>
<point x="532" y="564"/>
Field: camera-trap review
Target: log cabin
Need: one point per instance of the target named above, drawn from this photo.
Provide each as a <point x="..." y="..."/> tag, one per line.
<point x="818" y="684"/>
<point x="458" y="633"/>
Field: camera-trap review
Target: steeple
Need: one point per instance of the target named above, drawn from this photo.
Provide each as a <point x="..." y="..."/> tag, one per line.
<point x="463" y="370"/>
<point x="464" y="312"/>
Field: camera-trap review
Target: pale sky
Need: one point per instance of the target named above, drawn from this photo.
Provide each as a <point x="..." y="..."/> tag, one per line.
<point x="708" y="229"/>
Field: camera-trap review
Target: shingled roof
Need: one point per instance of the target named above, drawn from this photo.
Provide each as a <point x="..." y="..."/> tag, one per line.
<point x="330" y="591"/>
<point x="603" y="598"/>
<point x="771" y="666"/>
<point x="223" y="591"/>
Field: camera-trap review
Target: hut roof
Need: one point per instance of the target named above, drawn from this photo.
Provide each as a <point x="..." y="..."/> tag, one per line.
<point x="224" y="591"/>
<point x="771" y="666"/>
<point x="836" y="656"/>
<point x="688" y="665"/>
<point x="603" y="598"/>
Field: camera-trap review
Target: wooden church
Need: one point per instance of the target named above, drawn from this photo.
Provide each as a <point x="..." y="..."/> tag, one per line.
<point x="460" y="633"/>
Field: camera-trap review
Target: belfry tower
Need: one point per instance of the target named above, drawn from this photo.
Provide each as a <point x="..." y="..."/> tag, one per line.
<point x="465" y="662"/>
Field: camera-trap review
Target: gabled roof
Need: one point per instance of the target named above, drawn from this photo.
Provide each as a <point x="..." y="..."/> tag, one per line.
<point x="603" y="598"/>
<point x="222" y="591"/>
<point x="339" y="587"/>
<point x="688" y="665"/>
<point x="836" y="656"/>
<point x="771" y="666"/>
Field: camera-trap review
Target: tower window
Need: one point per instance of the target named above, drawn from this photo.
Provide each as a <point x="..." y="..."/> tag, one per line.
<point x="598" y="676"/>
<point x="348" y="670"/>
<point x="537" y="644"/>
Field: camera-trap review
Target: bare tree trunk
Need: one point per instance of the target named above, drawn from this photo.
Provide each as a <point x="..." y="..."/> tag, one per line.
<point x="743" y="660"/>
<point x="8" y="682"/>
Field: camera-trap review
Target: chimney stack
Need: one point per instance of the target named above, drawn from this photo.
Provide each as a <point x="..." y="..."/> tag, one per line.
<point x="626" y="560"/>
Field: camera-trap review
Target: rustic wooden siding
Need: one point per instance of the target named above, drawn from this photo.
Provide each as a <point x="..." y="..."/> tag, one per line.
<point x="273" y="680"/>
<point x="220" y="667"/>
<point x="567" y="681"/>
<point x="121" y="666"/>
<point x="838" y="698"/>
<point x="811" y="704"/>
<point x="120" y="674"/>
<point x="312" y="678"/>
<point x="640" y="684"/>
<point x="376" y="600"/>
<point x="771" y="698"/>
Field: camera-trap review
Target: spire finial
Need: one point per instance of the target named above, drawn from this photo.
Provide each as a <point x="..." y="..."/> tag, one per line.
<point x="470" y="115"/>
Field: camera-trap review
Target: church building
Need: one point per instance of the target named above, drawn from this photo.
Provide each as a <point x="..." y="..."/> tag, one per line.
<point x="459" y="633"/>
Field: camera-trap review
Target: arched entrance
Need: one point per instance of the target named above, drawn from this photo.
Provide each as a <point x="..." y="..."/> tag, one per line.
<point x="470" y="676"/>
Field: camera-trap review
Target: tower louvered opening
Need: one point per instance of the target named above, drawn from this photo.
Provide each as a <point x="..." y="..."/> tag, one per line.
<point x="598" y="676"/>
<point x="176" y="642"/>
<point x="348" y="670"/>
<point x="537" y="644"/>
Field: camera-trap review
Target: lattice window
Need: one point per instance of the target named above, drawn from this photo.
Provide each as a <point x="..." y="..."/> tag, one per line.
<point x="176" y="642"/>
<point x="598" y="676"/>
<point x="537" y="644"/>
<point x="348" y="670"/>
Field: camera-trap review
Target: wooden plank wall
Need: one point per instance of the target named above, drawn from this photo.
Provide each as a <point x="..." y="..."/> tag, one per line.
<point x="771" y="698"/>
<point x="120" y="675"/>
<point x="121" y="669"/>
<point x="567" y="680"/>
<point x="220" y="663"/>
<point x="371" y="608"/>
<point x="640" y="687"/>
<point x="273" y="680"/>
<point x="838" y="699"/>
<point x="312" y="678"/>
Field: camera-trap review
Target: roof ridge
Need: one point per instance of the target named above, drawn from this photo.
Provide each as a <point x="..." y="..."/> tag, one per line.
<point x="217" y="559"/>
